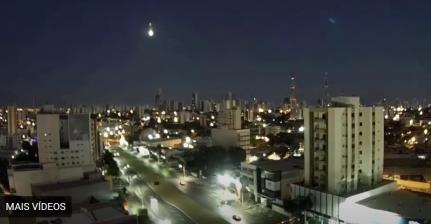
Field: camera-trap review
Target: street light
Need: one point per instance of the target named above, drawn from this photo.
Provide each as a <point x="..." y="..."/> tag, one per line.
<point x="181" y="166"/>
<point x="227" y="180"/>
<point x="224" y="180"/>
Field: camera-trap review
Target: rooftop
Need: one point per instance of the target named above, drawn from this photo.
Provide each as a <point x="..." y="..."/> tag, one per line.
<point x="64" y="185"/>
<point x="26" y="166"/>
<point x="280" y="165"/>
<point x="402" y="202"/>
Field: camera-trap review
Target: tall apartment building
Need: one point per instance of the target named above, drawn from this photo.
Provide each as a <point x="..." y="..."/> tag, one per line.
<point x="229" y="115"/>
<point x="67" y="139"/>
<point x="229" y="132"/>
<point x="343" y="146"/>
<point x="158" y="99"/>
<point x="12" y="120"/>
<point x="195" y="102"/>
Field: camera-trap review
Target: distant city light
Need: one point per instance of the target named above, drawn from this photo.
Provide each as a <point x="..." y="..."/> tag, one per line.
<point x="252" y="159"/>
<point x="396" y="117"/>
<point x="422" y="156"/>
<point x="274" y="156"/>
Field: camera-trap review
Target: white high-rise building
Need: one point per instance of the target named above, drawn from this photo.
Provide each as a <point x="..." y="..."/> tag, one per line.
<point x="66" y="139"/>
<point x="343" y="146"/>
<point x="229" y="132"/>
<point x="229" y="115"/>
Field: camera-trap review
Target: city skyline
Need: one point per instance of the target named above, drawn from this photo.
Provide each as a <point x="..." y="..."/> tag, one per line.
<point x="247" y="112"/>
<point x="94" y="53"/>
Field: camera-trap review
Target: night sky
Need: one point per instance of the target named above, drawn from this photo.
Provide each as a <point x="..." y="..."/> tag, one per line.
<point x="70" y="52"/>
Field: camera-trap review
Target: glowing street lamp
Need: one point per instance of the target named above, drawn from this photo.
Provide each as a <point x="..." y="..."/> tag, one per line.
<point x="227" y="180"/>
<point x="224" y="180"/>
<point x="181" y="166"/>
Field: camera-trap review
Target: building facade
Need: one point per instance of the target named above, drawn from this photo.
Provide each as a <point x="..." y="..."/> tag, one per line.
<point x="231" y="138"/>
<point x="12" y="120"/>
<point x="343" y="146"/>
<point x="66" y="139"/>
<point x="269" y="180"/>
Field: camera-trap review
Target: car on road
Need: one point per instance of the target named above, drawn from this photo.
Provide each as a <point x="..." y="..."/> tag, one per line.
<point x="236" y="218"/>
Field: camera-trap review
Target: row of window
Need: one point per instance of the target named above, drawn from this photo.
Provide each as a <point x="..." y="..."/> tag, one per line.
<point x="64" y="157"/>
<point x="65" y="164"/>
<point x="67" y="151"/>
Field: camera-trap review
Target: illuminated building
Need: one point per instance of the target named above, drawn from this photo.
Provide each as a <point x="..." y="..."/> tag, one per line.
<point x="66" y="140"/>
<point x="343" y="169"/>
<point x="11" y="120"/>
<point x="343" y="146"/>
<point x="229" y="132"/>
<point x="229" y="115"/>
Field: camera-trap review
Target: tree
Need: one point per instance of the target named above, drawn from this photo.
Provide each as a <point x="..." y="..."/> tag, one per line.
<point x="110" y="164"/>
<point x="30" y="155"/>
<point x="237" y="155"/>
<point x="214" y="157"/>
<point x="112" y="169"/>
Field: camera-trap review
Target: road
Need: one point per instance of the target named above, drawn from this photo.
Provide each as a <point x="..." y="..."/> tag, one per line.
<point x="210" y="194"/>
<point x="163" y="211"/>
<point x="207" y="194"/>
<point x="169" y="193"/>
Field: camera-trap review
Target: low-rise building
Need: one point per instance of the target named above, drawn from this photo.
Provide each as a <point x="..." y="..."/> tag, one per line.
<point x="82" y="191"/>
<point x="270" y="180"/>
<point x="163" y="142"/>
<point x="22" y="177"/>
<point x="231" y="137"/>
<point x="272" y="130"/>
